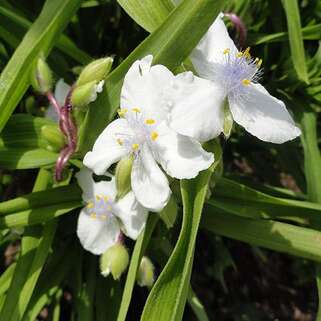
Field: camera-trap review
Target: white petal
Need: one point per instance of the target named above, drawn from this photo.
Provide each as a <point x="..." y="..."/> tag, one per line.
<point x="210" y="48"/>
<point x="144" y="86"/>
<point x="180" y="156"/>
<point x="107" y="150"/>
<point x="132" y="215"/>
<point x="97" y="235"/>
<point x="149" y="183"/>
<point x="264" y="116"/>
<point x="61" y="91"/>
<point x="196" y="107"/>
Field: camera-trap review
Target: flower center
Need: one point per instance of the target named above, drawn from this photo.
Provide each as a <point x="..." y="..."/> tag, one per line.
<point x="143" y="130"/>
<point x="101" y="207"/>
<point x="237" y="70"/>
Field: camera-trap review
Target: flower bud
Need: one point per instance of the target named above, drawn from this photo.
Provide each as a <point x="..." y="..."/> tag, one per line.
<point x="85" y="94"/>
<point x="228" y="121"/>
<point x="146" y="275"/>
<point x="41" y="78"/>
<point x="53" y="136"/>
<point x="115" y="261"/>
<point x="123" y="176"/>
<point x="95" y="71"/>
<point x="169" y="213"/>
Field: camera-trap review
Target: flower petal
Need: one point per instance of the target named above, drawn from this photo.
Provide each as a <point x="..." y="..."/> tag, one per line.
<point x="149" y="183"/>
<point x="180" y="156"/>
<point x="143" y="88"/>
<point x="132" y="215"/>
<point x="264" y="116"/>
<point x="61" y="91"/>
<point x="196" y="107"/>
<point x="211" y="47"/>
<point x="107" y="150"/>
<point x="97" y="235"/>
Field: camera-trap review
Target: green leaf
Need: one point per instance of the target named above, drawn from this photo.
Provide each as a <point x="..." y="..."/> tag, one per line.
<point x="23" y="130"/>
<point x="149" y="14"/>
<point x="170" y="44"/>
<point x="171" y="288"/>
<point x="242" y="200"/>
<point x="138" y="252"/>
<point x="53" y="196"/>
<point x="40" y="38"/>
<point x="64" y="43"/>
<point x="277" y="236"/>
<point x="39" y="207"/>
<point x="25" y="158"/>
<point x="197" y="306"/>
<point x="35" y="247"/>
<point x="295" y="37"/>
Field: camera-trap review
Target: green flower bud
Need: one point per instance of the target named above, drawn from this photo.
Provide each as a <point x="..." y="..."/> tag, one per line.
<point x="85" y="94"/>
<point x="95" y="71"/>
<point x="146" y="275"/>
<point x="169" y="213"/>
<point x="53" y="136"/>
<point x="41" y="78"/>
<point x="228" y="121"/>
<point x="115" y="261"/>
<point x="123" y="176"/>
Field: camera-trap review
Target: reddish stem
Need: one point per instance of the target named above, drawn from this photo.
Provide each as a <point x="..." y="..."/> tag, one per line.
<point x="68" y="128"/>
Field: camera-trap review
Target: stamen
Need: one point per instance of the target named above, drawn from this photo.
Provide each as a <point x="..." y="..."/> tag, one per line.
<point x="90" y="205"/>
<point x="135" y="147"/>
<point x="106" y="198"/>
<point x="226" y="51"/>
<point x="120" y="141"/>
<point x="150" y="121"/>
<point x="154" y="136"/>
<point x="136" y="110"/>
<point x="122" y="112"/>
<point x="104" y="217"/>
<point x="246" y="82"/>
<point x="239" y="54"/>
<point x="258" y="62"/>
<point x="93" y="215"/>
<point x="246" y="53"/>
<point x="98" y="197"/>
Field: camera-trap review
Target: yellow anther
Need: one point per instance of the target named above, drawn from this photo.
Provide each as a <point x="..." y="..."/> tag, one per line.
<point x="246" y="53"/>
<point x="122" y="112"/>
<point x="150" y="121"/>
<point x="226" y="51"/>
<point x="136" y="110"/>
<point x="90" y="205"/>
<point x="120" y="141"/>
<point x="246" y="82"/>
<point x="135" y="147"/>
<point x="239" y="54"/>
<point x="93" y="215"/>
<point x="98" y="197"/>
<point x="106" y="198"/>
<point x="153" y="135"/>
<point x="258" y="62"/>
<point x="104" y="217"/>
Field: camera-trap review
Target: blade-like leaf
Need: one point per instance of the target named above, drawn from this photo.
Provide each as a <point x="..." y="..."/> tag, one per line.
<point x="149" y="14"/>
<point x="295" y="37"/>
<point x="39" y="39"/>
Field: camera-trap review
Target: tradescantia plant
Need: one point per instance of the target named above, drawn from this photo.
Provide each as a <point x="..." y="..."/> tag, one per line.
<point x="147" y="166"/>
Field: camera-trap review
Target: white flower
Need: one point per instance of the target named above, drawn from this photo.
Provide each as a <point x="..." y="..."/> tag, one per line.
<point x="142" y="132"/>
<point x="104" y="217"/>
<point x="232" y="76"/>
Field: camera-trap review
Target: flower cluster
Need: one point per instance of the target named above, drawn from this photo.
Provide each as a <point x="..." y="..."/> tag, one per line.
<point x="163" y="119"/>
